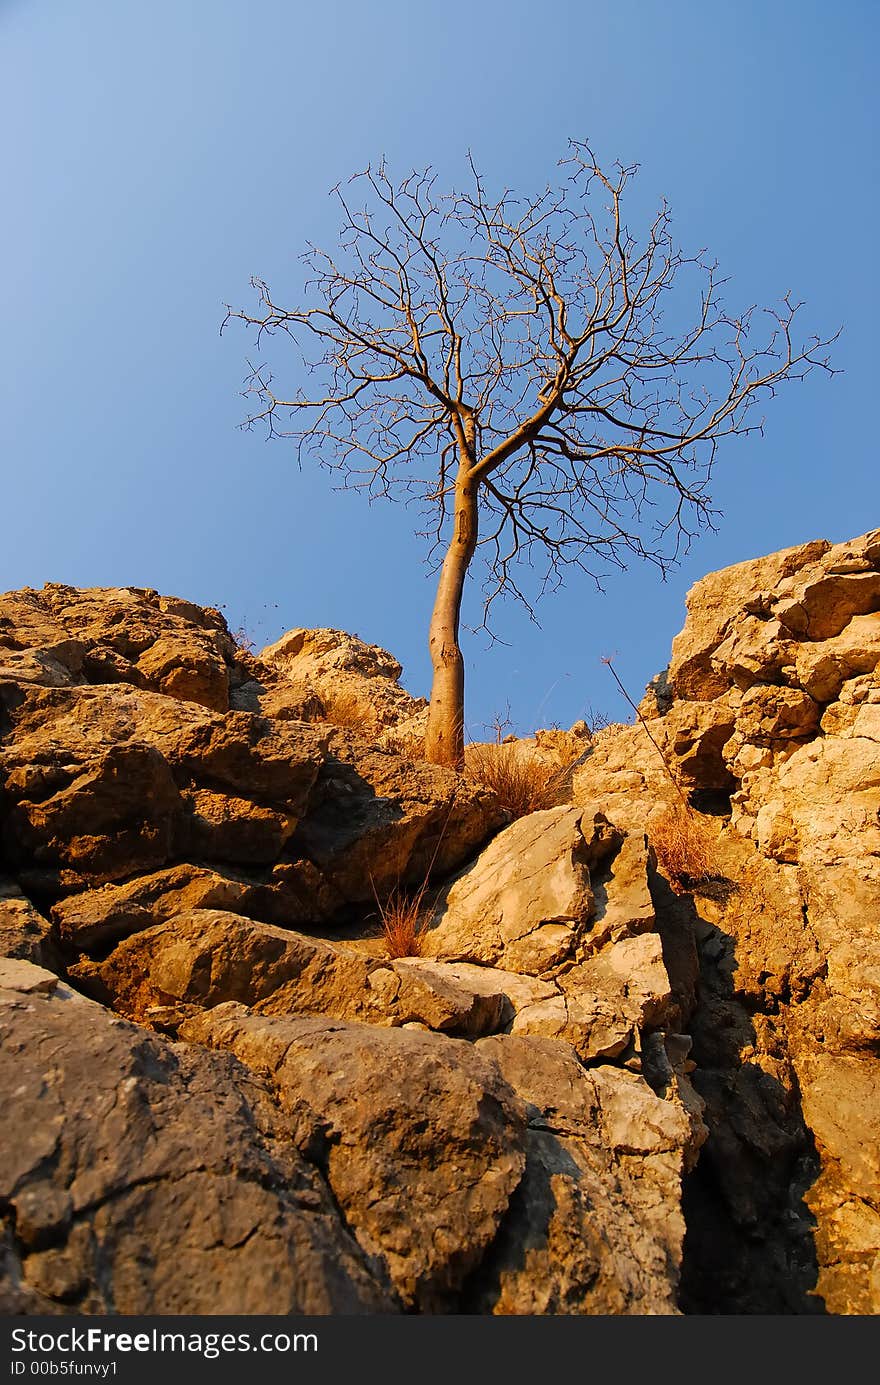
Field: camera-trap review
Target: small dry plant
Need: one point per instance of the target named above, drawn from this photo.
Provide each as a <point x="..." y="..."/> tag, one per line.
<point x="347" y="709"/>
<point x="244" y="640"/>
<point x="684" y="845"/>
<point x="406" y="915"/>
<point x="404" y="922"/>
<point x="522" y="783"/>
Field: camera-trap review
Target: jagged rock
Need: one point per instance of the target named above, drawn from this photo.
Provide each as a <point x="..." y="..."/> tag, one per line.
<point x="595" y="1225"/>
<point x="622" y="902"/>
<point x="204" y="957"/>
<point x="131" y="793"/>
<point x="525" y="901"/>
<point x="588" y="1022"/>
<point x="768" y="715"/>
<point x="357" y="684"/>
<point x="24" y="932"/>
<point x="788" y="646"/>
<point x="842" y="1007"/>
<point x="818" y="806"/>
<point x="292" y="892"/>
<point x="516" y="992"/>
<point x="129" y="635"/>
<point x="624" y="778"/>
<point x="377" y="821"/>
<point x="628" y="975"/>
<point x="695" y="735"/>
<point x="441" y="998"/>
<point x="95" y="778"/>
<point x="824" y="669"/>
<point x="605" y="1000"/>
<point x="841" y="1109"/>
<point x="33" y="666"/>
<point x="421" y="1139"/>
<point x="745" y="1007"/>
<point x="16" y="974"/>
<point x="226" y="827"/>
<point x="822" y="606"/>
<point x="529" y="902"/>
<point x="149" y="1178"/>
<point x="716" y="607"/>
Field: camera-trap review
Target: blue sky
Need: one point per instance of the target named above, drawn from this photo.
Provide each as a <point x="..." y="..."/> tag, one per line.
<point x="155" y="156"/>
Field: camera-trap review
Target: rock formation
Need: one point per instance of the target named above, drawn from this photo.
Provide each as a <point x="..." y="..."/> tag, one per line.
<point x="600" y="1088"/>
<point x="769" y="713"/>
<point x="354" y="684"/>
<point x="133" y="787"/>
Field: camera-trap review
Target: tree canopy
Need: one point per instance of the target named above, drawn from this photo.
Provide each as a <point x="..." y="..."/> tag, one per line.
<point x="550" y="384"/>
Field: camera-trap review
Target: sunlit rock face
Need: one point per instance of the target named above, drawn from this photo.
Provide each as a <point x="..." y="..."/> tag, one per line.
<point x="597" y="1083"/>
<point x="771" y="717"/>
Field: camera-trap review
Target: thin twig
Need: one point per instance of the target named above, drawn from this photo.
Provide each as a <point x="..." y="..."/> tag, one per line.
<point x="608" y="661"/>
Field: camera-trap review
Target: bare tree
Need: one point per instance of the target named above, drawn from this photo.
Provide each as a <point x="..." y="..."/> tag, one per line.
<point x="551" y="386"/>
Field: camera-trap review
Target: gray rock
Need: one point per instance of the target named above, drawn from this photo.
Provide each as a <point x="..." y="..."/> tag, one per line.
<point x="421" y="1139"/>
<point x="595" y="1226"/>
<point x="146" y="1177"/>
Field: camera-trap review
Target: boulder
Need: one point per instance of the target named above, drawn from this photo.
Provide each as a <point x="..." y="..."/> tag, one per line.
<point x="768" y="715"/>
<point x="593" y="1027"/>
<point x="525" y="901"/>
<point x="205" y="957"/>
<point x="823" y="668"/>
<point x="149" y="1178"/>
<point x="421" y="1139"/>
<point x="629" y="976"/>
<point x="595" y="1225"/>
<point x="24" y="932"/>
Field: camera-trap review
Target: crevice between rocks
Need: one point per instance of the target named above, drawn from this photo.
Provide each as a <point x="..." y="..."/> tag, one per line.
<point x="749" y="1246"/>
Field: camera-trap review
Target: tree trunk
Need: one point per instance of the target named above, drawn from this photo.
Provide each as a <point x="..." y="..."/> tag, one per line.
<point x="444" y="740"/>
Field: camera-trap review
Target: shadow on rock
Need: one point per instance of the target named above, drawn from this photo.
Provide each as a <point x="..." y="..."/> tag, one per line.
<point x="749" y="1246"/>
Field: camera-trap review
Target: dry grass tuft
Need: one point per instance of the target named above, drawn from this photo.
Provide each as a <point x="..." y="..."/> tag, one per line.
<point x="346" y="708"/>
<point x="406" y="915"/>
<point x="404" y="923"/>
<point x="684" y="845"/>
<point x="522" y="783"/>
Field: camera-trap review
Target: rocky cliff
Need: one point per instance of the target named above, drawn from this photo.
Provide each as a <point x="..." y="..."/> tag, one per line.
<point x="602" y="1087"/>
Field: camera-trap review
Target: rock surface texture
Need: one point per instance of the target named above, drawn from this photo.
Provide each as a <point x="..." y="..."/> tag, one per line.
<point x="603" y="1086"/>
<point x="769" y="713"/>
<point x="133" y="788"/>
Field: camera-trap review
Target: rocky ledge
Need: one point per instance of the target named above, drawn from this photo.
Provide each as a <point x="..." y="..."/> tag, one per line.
<point x="602" y="1087"/>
